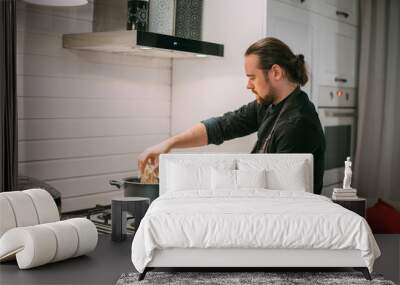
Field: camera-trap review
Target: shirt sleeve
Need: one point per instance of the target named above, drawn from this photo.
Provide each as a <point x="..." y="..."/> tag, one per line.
<point x="239" y="123"/>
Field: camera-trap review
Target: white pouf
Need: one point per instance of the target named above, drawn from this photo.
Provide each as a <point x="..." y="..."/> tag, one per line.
<point x="23" y="208"/>
<point x="33" y="246"/>
<point x="67" y="240"/>
<point x="41" y="244"/>
<point x="31" y="232"/>
<point x="7" y="218"/>
<point x="46" y="208"/>
<point x="87" y="233"/>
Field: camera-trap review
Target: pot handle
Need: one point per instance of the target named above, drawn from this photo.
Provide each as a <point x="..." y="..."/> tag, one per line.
<point x="116" y="183"/>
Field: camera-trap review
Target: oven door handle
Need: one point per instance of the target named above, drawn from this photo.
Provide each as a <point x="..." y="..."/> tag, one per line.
<point x="340" y="114"/>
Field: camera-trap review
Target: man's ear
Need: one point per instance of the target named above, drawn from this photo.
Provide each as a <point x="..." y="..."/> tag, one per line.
<point x="277" y="72"/>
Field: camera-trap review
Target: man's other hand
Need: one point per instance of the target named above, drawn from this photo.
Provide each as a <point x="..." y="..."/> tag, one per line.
<point x="152" y="155"/>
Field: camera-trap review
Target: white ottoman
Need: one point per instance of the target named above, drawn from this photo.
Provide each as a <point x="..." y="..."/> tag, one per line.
<point x="37" y="245"/>
<point x="31" y="230"/>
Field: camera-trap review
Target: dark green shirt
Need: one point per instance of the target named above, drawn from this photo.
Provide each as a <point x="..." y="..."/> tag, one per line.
<point x="298" y="129"/>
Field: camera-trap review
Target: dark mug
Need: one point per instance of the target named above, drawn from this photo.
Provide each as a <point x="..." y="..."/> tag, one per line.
<point x="138" y="15"/>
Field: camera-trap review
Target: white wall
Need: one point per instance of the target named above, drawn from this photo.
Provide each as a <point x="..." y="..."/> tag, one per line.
<point x="83" y="117"/>
<point x="202" y="88"/>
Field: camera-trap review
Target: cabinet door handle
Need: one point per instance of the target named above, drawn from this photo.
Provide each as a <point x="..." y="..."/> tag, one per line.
<point x="340" y="79"/>
<point x="342" y="13"/>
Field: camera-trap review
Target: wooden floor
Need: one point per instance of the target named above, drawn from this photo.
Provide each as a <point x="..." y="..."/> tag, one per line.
<point x="102" y="266"/>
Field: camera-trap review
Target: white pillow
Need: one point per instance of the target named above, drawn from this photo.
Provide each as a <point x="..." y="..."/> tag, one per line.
<point x="186" y="175"/>
<point x="181" y="177"/>
<point x="251" y="178"/>
<point x="282" y="174"/>
<point x="236" y="179"/>
<point x="290" y="179"/>
<point x="223" y="179"/>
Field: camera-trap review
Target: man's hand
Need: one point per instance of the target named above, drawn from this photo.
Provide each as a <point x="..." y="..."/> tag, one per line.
<point x="152" y="154"/>
<point x="195" y="136"/>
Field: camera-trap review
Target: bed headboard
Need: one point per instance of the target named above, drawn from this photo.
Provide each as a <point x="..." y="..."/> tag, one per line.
<point x="270" y="161"/>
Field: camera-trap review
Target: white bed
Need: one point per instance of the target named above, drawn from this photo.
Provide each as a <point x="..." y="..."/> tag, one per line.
<point x="247" y="210"/>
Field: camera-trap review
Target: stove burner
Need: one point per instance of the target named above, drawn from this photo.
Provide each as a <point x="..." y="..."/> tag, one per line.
<point x="102" y="214"/>
<point x="103" y="211"/>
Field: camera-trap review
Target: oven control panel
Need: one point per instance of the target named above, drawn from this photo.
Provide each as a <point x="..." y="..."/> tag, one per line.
<point x="330" y="96"/>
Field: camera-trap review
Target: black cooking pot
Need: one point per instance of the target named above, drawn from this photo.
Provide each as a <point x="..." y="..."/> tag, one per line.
<point x="133" y="188"/>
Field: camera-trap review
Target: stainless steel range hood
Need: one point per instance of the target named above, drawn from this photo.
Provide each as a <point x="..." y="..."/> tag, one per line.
<point x="142" y="43"/>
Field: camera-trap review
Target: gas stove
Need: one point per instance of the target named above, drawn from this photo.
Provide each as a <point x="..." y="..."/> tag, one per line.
<point x="100" y="215"/>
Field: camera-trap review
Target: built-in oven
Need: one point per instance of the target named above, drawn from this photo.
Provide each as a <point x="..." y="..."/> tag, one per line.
<point x="338" y="115"/>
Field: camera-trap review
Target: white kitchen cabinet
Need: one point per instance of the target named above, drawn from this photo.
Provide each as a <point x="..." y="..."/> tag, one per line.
<point x="293" y="26"/>
<point x="302" y="4"/>
<point x="328" y="44"/>
<point x="339" y="10"/>
<point x="335" y="56"/>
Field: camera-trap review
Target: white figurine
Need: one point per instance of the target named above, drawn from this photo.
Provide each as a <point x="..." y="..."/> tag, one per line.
<point x="347" y="174"/>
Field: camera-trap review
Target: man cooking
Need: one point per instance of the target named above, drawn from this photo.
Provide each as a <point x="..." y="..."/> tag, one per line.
<point x="282" y="115"/>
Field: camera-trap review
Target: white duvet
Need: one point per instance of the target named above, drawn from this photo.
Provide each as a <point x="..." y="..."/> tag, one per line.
<point x="252" y="218"/>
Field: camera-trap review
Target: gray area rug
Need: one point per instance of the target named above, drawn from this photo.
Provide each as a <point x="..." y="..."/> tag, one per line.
<point x="228" y="278"/>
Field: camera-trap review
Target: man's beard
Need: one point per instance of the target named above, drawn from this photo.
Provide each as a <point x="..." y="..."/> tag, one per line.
<point x="268" y="98"/>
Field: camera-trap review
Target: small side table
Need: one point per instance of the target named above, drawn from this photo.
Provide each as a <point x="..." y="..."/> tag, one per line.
<point x="136" y="206"/>
<point x="357" y="205"/>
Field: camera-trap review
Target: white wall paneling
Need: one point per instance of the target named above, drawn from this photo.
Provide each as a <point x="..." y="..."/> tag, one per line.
<point x="83" y="117"/>
<point x="34" y="108"/>
<point x="84" y="147"/>
<point x="81" y="67"/>
<point x="72" y="187"/>
<point x="37" y="129"/>
<point x="83" y="201"/>
<point x="80" y="167"/>
<point x="89" y="88"/>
